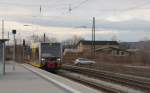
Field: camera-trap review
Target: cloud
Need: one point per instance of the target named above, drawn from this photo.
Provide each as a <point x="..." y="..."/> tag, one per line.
<point x="129" y="25"/>
<point x="111" y="19"/>
<point x="77" y="22"/>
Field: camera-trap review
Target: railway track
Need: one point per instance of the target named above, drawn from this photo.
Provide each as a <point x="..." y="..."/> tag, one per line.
<point x="127" y="80"/>
<point x="105" y="89"/>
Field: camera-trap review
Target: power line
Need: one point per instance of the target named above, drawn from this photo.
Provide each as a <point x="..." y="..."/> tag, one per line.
<point x="138" y="6"/>
<point x="77" y="6"/>
<point x="135" y="7"/>
<point x="81" y="3"/>
<point x="73" y="6"/>
<point x="123" y="10"/>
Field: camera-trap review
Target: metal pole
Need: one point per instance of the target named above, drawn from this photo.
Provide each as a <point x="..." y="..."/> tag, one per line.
<point x="2" y="29"/>
<point x="23" y="50"/>
<point x="4" y="58"/>
<point x="14" y="55"/>
<point x="92" y="42"/>
<point x="94" y="36"/>
<point x="61" y="47"/>
<point x="93" y="39"/>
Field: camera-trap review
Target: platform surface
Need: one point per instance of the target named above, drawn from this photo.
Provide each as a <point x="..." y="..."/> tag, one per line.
<point x="23" y="81"/>
<point x="28" y="79"/>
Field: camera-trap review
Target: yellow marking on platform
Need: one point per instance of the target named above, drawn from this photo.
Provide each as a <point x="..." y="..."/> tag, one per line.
<point x="36" y="65"/>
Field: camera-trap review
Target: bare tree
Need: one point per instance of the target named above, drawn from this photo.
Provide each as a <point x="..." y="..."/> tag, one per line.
<point x="36" y="38"/>
<point x="114" y="38"/>
<point x="73" y="40"/>
<point x="48" y="39"/>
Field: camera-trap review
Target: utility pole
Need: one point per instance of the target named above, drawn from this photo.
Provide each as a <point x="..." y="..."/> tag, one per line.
<point x="93" y="39"/>
<point x="2" y="29"/>
<point x="94" y="35"/>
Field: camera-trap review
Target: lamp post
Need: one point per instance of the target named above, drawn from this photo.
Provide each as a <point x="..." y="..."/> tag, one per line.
<point x="14" y="51"/>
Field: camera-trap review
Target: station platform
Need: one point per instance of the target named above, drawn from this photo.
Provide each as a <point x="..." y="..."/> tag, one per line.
<point x="28" y="79"/>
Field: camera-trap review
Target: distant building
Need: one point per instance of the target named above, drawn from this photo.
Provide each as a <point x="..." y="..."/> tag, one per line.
<point x="85" y="46"/>
<point x="113" y="51"/>
<point x="69" y="51"/>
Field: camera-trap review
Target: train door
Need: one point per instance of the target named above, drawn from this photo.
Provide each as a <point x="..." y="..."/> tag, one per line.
<point x="35" y="56"/>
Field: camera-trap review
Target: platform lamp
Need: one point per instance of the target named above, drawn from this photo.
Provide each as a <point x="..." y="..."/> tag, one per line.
<point x="14" y="50"/>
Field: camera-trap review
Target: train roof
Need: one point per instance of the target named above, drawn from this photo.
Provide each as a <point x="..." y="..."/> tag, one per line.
<point x="36" y="45"/>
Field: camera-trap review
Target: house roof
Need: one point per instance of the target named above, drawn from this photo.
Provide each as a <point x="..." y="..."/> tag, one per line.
<point x="99" y="42"/>
<point x="3" y="40"/>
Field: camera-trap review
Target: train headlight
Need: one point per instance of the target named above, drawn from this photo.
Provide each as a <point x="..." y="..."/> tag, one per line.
<point x="43" y="59"/>
<point x="58" y="59"/>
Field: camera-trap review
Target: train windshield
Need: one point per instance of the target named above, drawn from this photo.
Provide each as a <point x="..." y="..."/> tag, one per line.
<point x="50" y="50"/>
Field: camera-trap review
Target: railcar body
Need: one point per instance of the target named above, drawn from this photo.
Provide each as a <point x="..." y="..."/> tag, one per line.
<point x="46" y="55"/>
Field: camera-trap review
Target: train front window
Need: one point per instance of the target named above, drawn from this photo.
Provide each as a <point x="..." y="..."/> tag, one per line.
<point x="46" y="50"/>
<point x="50" y="50"/>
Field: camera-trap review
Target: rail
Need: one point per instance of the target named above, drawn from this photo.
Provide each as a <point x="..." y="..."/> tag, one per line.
<point x="129" y="80"/>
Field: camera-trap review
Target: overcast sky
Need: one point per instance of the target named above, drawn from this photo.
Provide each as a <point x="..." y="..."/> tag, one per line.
<point x="128" y="20"/>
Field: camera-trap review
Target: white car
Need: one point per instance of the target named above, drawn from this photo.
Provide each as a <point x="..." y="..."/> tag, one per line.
<point x="84" y="61"/>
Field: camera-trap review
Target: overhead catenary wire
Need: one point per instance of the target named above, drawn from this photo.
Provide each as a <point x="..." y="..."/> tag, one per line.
<point x="81" y="3"/>
<point x="74" y="5"/>
<point x="136" y="6"/>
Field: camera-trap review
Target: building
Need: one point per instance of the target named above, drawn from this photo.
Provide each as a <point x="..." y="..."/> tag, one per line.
<point x="85" y="46"/>
<point x="113" y="51"/>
